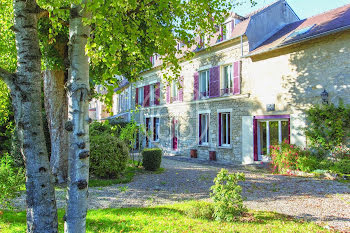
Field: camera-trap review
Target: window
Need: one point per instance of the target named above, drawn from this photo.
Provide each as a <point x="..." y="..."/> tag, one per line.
<point x="174" y="92"/>
<point x="271" y="132"/>
<point x="224" y="129"/>
<point x="156" y="128"/>
<point x="141" y="96"/>
<point x="152" y="96"/>
<point x="227" y="80"/>
<point x="204" y="84"/>
<point x="204" y="129"/>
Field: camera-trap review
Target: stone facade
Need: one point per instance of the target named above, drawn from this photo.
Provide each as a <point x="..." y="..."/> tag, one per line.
<point x="289" y="79"/>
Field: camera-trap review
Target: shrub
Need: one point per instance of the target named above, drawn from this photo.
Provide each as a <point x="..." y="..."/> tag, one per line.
<point x="227" y="196"/>
<point x="200" y="209"/>
<point x="341" y="166"/>
<point x="327" y="125"/>
<point x="284" y="157"/>
<point x="151" y="158"/>
<point x="341" y="152"/>
<point x="109" y="156"/>
<point x="308" y="163"/>
<point x="10" y="180"/>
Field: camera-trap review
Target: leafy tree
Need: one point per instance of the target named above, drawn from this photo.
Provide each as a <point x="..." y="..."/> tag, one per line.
<point x="119" y="37"/>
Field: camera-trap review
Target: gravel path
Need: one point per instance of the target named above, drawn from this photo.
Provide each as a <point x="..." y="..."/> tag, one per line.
<point x="323" y="201"/>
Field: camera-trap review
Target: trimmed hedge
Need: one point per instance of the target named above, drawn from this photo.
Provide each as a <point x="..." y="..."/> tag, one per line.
<point x="109" y="156"/>
<point x="151" y="158"/>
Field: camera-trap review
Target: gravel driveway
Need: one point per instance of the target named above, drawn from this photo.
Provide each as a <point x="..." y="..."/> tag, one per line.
<point x="323" y="201"/>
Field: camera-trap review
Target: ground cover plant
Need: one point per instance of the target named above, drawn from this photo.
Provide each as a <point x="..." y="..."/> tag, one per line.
<point x="169" y="218"/>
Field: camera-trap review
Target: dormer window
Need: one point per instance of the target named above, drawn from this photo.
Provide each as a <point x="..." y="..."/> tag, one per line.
<point x="226" y="30"/>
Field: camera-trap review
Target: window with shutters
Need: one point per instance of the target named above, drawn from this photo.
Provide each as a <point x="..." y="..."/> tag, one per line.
<point x="224" y="127"/>
<point x="156" y="128"/>
<point x="152" y="94"/>
<point x="174" y="92"/>
<point x="204" y="84"/>
<point x="204" y="129"/>
<point x="227" y="80"/>
<point x="141" y="96"/>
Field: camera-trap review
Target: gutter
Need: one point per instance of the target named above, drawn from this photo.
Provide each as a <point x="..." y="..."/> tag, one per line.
<point x="344" y="28"/>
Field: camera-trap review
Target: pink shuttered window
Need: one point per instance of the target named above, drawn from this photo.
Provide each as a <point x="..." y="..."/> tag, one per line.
<point x="137" y="97"/>
<point x="214" y="84"/>
<point x="237" y="77"/>
<point x="196" y="86"/>
<point x="168" y="97"/>
<point x="147" y="95"/>
<point x="157" y="94"/>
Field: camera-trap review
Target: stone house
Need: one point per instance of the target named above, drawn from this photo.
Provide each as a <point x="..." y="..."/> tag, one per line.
<point x="249" y="86"/>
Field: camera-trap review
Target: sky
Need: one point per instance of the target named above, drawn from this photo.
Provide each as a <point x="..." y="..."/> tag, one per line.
<point x="303" y="8"/>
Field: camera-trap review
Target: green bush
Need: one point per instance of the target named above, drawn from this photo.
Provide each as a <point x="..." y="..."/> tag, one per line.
<point x="227" y="196"/>
<point x="200" y="209"/>
<point x="109" y="155"/>
<point x="151" y="158"/>
<point x="10" y="181"/>
<point x="308" y="163"/>
<point x="341" y="166"/>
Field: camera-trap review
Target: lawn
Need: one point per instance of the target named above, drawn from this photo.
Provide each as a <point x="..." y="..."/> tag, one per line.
<point x="169" y="218"/>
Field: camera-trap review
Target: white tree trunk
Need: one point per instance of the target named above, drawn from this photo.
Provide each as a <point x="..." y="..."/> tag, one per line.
<point x="78" y="123"/>
<point x="57" y="114"/>
<point x="26" y="98"/>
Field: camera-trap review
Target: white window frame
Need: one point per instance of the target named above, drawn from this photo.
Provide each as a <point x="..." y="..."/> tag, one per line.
<point x="157" y="128"/>
<point x="223" y="78"/>
<point x="174" y="92"/>
<point x="228" y="131"/>
<point x="207" y="76"/>
<point x="260" y="155"/>
<point x="141" y="96"/>
<point x="207" y="114"/>
<point x="152" y="95"/>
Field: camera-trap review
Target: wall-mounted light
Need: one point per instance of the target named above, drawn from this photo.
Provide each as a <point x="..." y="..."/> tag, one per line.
<point x="324" y="96"/>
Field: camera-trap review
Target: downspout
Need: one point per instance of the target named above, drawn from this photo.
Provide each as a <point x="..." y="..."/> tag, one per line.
<point x="242" y="45"/>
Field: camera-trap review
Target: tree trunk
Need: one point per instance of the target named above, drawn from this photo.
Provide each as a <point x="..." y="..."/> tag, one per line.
<point x="56" y="108"/>
<point x="26" y="98"/>
<point x="78" y="123"/>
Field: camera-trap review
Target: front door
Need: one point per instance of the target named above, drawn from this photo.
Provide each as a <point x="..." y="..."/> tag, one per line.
<point x="175" y="134"/>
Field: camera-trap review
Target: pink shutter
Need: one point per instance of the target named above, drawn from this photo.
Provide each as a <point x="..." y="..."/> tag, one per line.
<point x="137" y="97"/>
<point x="157" y="94"/>
<point x="181" y="89"/>
<point x="220" y="142"/>
<point x="200" y="130"/>
<point x="168" y="94"/>
<point x="196" y="86"/>
<point x="289" y="131"/>
<point x="214" y="83"/>
<point x="255" y="133"/>
<point x="236" y="77"/>
<point x="146" y="95"/>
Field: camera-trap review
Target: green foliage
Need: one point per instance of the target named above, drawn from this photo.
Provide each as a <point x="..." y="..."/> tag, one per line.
<point x="227" y="196"/>
<point x="200" y="209"/>
<point x="151" y="158"/>
<point x="308" y="163"/>
<point x="11" y="181"/>
<point x="109" y="155"/>
<point x="328" y="125"/>
<point x="169" y="218"/>
<point x="96" y="128"/>
<point x="129" y="134"/>
<point x="341" y="166"/>
<point x="6" y="118"/>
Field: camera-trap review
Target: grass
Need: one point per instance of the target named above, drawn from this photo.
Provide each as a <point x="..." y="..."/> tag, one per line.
<point x="169" y="218"/>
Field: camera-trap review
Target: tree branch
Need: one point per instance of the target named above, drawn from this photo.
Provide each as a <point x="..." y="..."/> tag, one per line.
<point x="6" y="76"/>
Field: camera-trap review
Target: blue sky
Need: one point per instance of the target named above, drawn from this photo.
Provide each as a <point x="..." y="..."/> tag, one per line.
<point x="303" y="8"/>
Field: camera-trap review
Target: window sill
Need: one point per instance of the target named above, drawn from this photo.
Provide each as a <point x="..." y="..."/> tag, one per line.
<point x="225" y="147"/>
<point x="203" y="145"/>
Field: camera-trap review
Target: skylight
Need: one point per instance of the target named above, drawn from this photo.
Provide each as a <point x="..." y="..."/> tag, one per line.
<point x="300" y="32"/>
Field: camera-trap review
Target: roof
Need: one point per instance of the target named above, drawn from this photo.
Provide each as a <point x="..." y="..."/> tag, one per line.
<point x="122" y="85"/>
<point x="316" y="26"/>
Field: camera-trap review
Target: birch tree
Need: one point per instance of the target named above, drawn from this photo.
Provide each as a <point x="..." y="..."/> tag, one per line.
<point x="119" y="36"/>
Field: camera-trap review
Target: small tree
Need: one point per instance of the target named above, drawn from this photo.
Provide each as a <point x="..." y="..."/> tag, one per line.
<point x="129" y="135"/>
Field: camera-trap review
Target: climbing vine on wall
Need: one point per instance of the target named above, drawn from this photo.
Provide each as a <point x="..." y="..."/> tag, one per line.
<point x="328" y="125"/>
